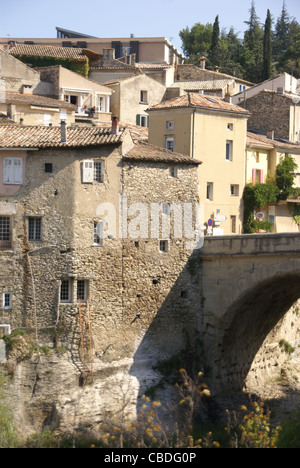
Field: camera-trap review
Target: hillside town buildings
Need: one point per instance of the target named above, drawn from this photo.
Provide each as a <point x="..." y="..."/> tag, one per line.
<point x="112" y="174"/>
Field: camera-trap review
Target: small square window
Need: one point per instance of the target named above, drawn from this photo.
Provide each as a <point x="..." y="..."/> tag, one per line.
<point x="209" y="191"/>
<point x="144" y="97"/>
<point x="229" y="145"/>
<point x="5" y="232"/>
<point x="48" y="168"/>
<point x="82" y="290"/>
<point x="234" y="190"/>
<point x="170" y="124"/>
<point x="66" y="291"/>
<point x="7" y="300"/>
<point x="98" y="233"/>
<point x="98" y="171"/>
<point x="173" y="171"/>
<point x="163" y="246"/>
<point x="170" y="143"/>
<point x="34" y="229"/>
<point x="230" y="127"/>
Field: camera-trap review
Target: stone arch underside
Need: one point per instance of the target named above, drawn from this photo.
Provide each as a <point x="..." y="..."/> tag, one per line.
<point x="252" y="317"/>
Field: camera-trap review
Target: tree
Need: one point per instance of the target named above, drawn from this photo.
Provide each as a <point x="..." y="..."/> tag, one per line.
<point x="267" y="57"/>
<point x="282" y="28"/>
<point x="196" y="41"/>
<point x="215" y="41"/>
<point x="252" y="54"/>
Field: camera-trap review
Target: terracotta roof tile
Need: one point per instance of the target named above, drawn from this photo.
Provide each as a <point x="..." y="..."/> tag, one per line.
<point x="36" y="100"/>
<point x="143" y="151"/>
<point x="199" y="101"/>
<point x="52" y="51"/>
<point x="19" y="136"/>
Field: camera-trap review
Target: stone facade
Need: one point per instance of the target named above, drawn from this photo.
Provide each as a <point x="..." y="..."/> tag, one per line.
<point x="273" y="111"/>
<point x="139" y="304"/>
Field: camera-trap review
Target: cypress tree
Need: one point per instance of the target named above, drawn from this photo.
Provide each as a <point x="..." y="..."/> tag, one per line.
<point x="267" y="58"/>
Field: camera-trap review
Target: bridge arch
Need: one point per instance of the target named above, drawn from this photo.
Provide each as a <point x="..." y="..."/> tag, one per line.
<point x="249" y="282"/>
<point x="252" y="317"/>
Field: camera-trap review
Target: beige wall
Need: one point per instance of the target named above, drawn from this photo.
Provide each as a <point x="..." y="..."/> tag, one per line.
<point x="37" y="116"/>
<point x="208" y="144"/>
<point x="126" y="99"/>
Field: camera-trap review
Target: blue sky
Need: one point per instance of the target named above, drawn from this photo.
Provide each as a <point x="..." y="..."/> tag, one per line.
<point x="120" y="18"/>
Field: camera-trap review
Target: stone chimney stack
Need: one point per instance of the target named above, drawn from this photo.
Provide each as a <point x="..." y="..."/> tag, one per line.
<point x="115" y="126"/>
<point x="202" y="63"/>
<point x="63" y="131"/>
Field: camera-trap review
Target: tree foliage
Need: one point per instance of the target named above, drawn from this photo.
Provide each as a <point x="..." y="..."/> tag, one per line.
<point x="263" y="51"/>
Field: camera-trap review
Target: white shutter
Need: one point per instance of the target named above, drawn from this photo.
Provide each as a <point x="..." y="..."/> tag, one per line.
<point x="18" y="171"/>
<point x="13" y="171"/>
<point x="88" y="172"/>
<point x="8" y="171"/>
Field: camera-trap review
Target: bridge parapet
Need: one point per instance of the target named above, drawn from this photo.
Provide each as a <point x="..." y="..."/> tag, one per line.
<point x="251" y="244"/>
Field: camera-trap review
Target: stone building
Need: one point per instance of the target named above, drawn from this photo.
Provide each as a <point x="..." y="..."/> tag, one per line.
<point x="212" y="130"/>
<point x="275" y="111"/>
<point x="88" y="263"/>
<point x="132" y="96"/>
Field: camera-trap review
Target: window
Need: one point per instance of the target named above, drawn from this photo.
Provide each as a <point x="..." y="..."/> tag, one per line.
<point x="170" y="124"/>
<point x="233" y="224"/>
<point x="209" y="191"/>
<point x="65" y="291"/>
<point x="82" y="290"/>
<point x="144" y="97"/>
<point x="88" y="172"/>
<point x="48" y="168"/>
<point x="230" y="127"/>
<point x="98" y="233"/>
<point x="234" y="190"/>
<point x="173" y="171"/>
<point x="169" y="143"/>
<point x="142" y="120"/>
<point x="229" y="144"/>
<point x="5" y="232"/>
<point x="166" y="209"/>
<point x="47" y="120"/>
<point x="163" y="246"/>
<point x="34" y="229"/>
<point x="13" y="171"/>
<point x="7" y="300"/>
<point x="98" y="171"/>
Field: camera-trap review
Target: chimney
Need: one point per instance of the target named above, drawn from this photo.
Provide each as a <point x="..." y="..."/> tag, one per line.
<point x="270" y="134"/>
<point x="115" y="126"/>
<point x="202" y="63"/>
<point x="63" y="131"/>
<point x="228" y="97"/>
<point x="109" y="55"/>
<point x="217" y="69"/>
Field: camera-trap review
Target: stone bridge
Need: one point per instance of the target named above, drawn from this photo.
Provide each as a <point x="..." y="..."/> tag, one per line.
<point x="249" y="283"/>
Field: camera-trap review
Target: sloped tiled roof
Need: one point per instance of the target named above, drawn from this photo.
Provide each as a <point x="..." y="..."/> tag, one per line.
<point x="52" y="51"/>
<point x="36" y="100"/>
<point x="262" y="140"/>
<point x="143" y="151"/>
<point x="19" y="136"/>
<point x="4" y="120"/>
<point x="200" y="101"/>
<point x="208" y="84"/>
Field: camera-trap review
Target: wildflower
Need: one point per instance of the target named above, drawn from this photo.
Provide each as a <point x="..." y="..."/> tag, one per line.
<point x="156" y="404"/>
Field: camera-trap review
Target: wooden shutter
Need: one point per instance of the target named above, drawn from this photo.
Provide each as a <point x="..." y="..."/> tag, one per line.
<point x="88" y="172"/>
<point x="18" y="171"/>
<point x="13" y="171"/>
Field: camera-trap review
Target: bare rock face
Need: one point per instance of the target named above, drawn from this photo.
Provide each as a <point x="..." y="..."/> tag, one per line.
<point x="46" y="392"/>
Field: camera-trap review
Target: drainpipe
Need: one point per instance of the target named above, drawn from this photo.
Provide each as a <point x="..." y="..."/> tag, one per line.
<point x="193" y="133"/>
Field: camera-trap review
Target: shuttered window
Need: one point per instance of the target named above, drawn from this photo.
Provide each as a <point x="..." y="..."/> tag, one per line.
<point x="13" y="171"/>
